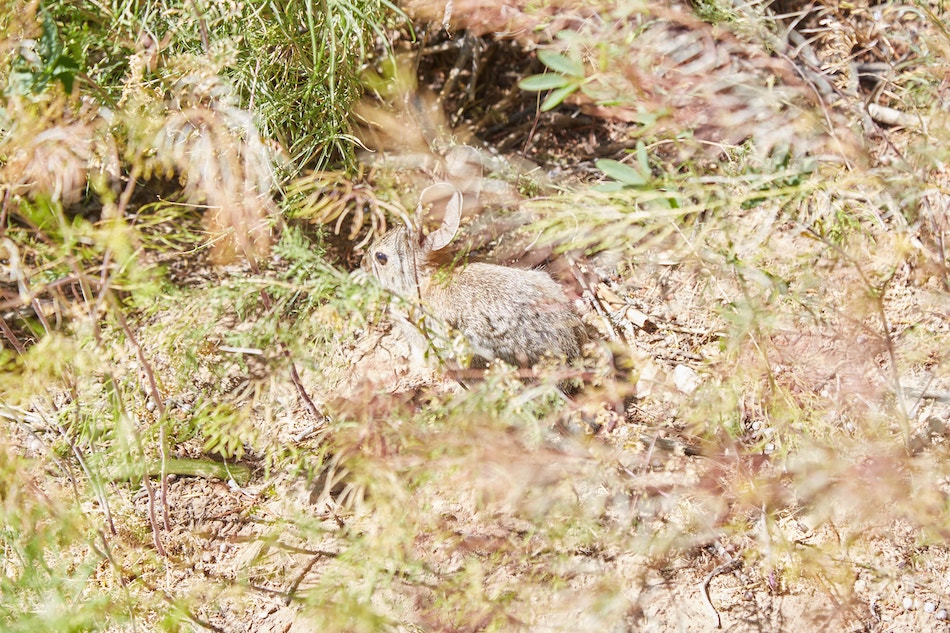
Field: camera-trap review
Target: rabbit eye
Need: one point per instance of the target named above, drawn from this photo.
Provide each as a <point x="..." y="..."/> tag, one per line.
<point x="382" y="258"/>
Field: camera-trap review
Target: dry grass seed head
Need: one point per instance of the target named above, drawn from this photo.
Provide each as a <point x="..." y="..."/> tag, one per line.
<point x="53" y="151"/>
<point x="217" y="150"/>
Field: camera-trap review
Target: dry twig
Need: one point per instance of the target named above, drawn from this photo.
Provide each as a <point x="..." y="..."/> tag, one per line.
<point x="725" y="568"/>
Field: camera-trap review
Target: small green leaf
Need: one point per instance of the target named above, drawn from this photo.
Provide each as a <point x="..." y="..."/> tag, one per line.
<point x="20" y="83"/>
<point x="557" y="97"/>
<point x="561" y="64"/>
<point x="64" y="70"/>
<point x="621" y="173"/>
<point x="547" y="81"/>
<point x="642" y="158"/>
<point x="608" y="187"/>
<point x="648" y="118"/>
<point x="49" y="46"/>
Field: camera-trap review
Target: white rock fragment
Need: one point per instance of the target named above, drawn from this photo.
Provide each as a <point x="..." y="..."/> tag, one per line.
<point x="941" y="615"/>
<point x="685" y="379"/>
<point x="908" y="603"/>
<point x="929" y="607"/>
<point x="650" y="376"/>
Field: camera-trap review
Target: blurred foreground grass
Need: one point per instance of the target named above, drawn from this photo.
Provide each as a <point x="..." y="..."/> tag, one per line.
<point x="189" y="445"/>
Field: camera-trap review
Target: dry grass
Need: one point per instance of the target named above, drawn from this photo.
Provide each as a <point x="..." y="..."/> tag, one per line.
<point x="246" y="447"/>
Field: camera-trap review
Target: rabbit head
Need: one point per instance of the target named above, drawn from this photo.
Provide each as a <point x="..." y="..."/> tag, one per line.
<point x="405" y="256"/>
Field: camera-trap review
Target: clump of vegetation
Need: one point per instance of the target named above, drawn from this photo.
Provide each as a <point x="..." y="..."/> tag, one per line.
<point x="208" y="424"/>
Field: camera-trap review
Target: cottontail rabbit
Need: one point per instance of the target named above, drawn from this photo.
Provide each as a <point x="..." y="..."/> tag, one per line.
<point x="511" y="314"/>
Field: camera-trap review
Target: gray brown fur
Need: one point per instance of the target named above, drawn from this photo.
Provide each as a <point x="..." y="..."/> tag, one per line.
<point x="515" y="315"/>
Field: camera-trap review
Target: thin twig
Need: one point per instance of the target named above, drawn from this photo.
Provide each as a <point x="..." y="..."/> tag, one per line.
<point x="285" y="351"/>
<point x="291" y="593"/>
<point x="203" y="27"/>
<point x="127" y="193"/>
<point x="96" y="482"/>
<point x="725" y="568"/>
<point x="877" y="293"/>
<point x="3" y="211"/>
<point x="38" y="311"/>
<point x="93" y="479"/>
<point x="301" y="390"/>
<point x="10" y="336"/>
<point x="594" y="300"/>
<point x="124" y="572"/>
<point x="160" y="404"/>
<point x="29" y="422"/>
<point x="152" y="519"/>
<point x="528" y="142"/>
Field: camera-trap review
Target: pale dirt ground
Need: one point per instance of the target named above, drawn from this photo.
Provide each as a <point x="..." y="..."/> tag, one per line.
<point x="880" y="572"/>
<point x="236" y="551"/>
<point x="220" y="531"/>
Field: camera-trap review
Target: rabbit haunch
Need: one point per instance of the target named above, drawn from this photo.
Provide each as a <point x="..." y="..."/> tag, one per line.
<point x="515" y="315"/>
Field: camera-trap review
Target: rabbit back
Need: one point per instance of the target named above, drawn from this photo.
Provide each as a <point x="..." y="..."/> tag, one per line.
<point x="516" y="315"/>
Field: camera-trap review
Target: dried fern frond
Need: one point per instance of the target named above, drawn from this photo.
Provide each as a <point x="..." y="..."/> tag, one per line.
<point x="52" y="151"/>
<point x="328" y="198"/>
<point x="217" y="151"/>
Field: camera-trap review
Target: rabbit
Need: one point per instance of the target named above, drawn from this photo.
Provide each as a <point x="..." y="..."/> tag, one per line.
<point x="514" y="315"/>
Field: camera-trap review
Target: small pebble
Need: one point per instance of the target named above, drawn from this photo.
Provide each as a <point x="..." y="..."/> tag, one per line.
<point x="941" y="615"/>
<point x="929" y="607"/>
<point x="908" y="602"/>
<point x="686" y="380"/>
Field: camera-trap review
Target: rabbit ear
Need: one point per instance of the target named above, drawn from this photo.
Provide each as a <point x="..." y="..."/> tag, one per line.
<point x="439" y="238"/>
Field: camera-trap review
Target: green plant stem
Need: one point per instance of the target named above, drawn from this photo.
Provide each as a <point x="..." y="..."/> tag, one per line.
<point x="206" y="468"/>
